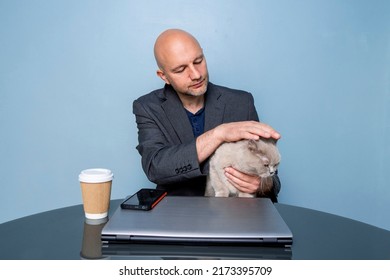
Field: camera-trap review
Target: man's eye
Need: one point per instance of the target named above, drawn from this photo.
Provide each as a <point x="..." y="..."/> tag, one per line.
<point x="199" y="61"/>
<point x="178" y="71"/>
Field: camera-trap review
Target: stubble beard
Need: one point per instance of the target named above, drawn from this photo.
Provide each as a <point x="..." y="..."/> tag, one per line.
<point x="199" y="91"/>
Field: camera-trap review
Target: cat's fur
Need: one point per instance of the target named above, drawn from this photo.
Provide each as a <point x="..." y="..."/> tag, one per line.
<point x="260" y="158"/>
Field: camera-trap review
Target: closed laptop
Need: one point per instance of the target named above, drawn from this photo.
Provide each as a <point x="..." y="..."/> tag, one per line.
<point x="201" y="220"/>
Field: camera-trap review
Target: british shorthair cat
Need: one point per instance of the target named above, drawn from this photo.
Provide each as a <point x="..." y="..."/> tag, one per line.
<point x="260" y="158"/>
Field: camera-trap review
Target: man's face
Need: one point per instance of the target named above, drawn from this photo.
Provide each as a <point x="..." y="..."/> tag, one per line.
<point x="184" y="67"/>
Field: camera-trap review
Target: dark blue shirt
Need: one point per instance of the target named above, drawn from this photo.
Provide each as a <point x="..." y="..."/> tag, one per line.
<point x="197" y="122"/>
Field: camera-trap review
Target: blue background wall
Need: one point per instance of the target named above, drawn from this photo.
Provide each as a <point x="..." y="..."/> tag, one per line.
<point x="319" y="72"/>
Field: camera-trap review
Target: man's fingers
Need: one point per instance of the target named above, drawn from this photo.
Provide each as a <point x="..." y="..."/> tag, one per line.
<point x="262" y="129"/>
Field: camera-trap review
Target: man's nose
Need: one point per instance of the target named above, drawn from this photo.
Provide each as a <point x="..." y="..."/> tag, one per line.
<point x="194" y="73"/>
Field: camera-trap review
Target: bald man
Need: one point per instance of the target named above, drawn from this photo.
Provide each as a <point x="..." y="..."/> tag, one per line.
<point x="181" y="125"/>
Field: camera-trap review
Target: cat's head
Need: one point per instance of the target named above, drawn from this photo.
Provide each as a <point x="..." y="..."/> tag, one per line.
<point x="266" y="155"/>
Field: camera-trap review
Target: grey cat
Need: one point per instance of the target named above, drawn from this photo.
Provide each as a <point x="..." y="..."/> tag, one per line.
<point x="259" y="158"/>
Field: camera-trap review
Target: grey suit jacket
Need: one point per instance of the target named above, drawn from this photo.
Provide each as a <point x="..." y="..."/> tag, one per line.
<point x="166" y="141"/>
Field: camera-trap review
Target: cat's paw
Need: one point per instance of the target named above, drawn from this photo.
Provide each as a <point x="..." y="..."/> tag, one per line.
<point x="221" y="194"/>
<point x="246" y="195"/>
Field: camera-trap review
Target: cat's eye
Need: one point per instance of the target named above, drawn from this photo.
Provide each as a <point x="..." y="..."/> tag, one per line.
<point x="266" y="165"/>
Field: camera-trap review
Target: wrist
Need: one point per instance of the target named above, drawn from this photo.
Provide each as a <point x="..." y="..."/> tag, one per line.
<point x="218" y="134"/>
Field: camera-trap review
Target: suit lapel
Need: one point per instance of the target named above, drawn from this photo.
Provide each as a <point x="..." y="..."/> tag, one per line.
<point x="177" y="116"/>
<point x="215" y="108"/>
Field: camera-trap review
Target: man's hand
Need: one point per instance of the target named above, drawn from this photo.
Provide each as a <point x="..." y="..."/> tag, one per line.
<point x="208" y="142"/>
<point x="243" y="182"/>
<point x="235" y="131"/>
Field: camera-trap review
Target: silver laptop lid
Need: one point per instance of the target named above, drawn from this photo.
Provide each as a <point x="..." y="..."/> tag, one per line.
<point x="182" y="219"/>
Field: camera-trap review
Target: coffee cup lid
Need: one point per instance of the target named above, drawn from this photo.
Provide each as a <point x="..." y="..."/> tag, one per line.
<point x="96" y="175"/>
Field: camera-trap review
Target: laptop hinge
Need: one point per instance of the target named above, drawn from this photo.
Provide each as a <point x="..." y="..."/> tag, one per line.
<point x="270" y="240"/>
<point x="123" y="237"/>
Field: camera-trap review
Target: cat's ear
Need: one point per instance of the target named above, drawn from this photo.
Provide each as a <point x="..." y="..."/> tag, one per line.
<point x="252" y="146"/>
<point x="271" y="140"/>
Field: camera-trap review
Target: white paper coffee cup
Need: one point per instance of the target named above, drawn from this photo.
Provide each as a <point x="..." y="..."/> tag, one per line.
<point x="95" y="186"/>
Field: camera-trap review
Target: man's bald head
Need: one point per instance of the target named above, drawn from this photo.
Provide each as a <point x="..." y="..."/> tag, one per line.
<point x="181" y="63"/>
<point x="171" y="42"/>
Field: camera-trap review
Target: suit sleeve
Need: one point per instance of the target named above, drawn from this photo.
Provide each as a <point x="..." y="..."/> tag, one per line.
<point x="164" y="161"/>
<point x="252" y="113"/>
<point x="276" y="188"/>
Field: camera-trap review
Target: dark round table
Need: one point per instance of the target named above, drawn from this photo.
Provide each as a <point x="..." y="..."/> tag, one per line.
<point x="65" y="234"/>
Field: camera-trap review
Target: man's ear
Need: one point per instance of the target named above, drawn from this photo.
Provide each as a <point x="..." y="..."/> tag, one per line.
<point x="161" y="74"/>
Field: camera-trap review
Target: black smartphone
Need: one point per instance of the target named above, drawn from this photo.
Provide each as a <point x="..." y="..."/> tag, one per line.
<point x="144" y="199"/>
